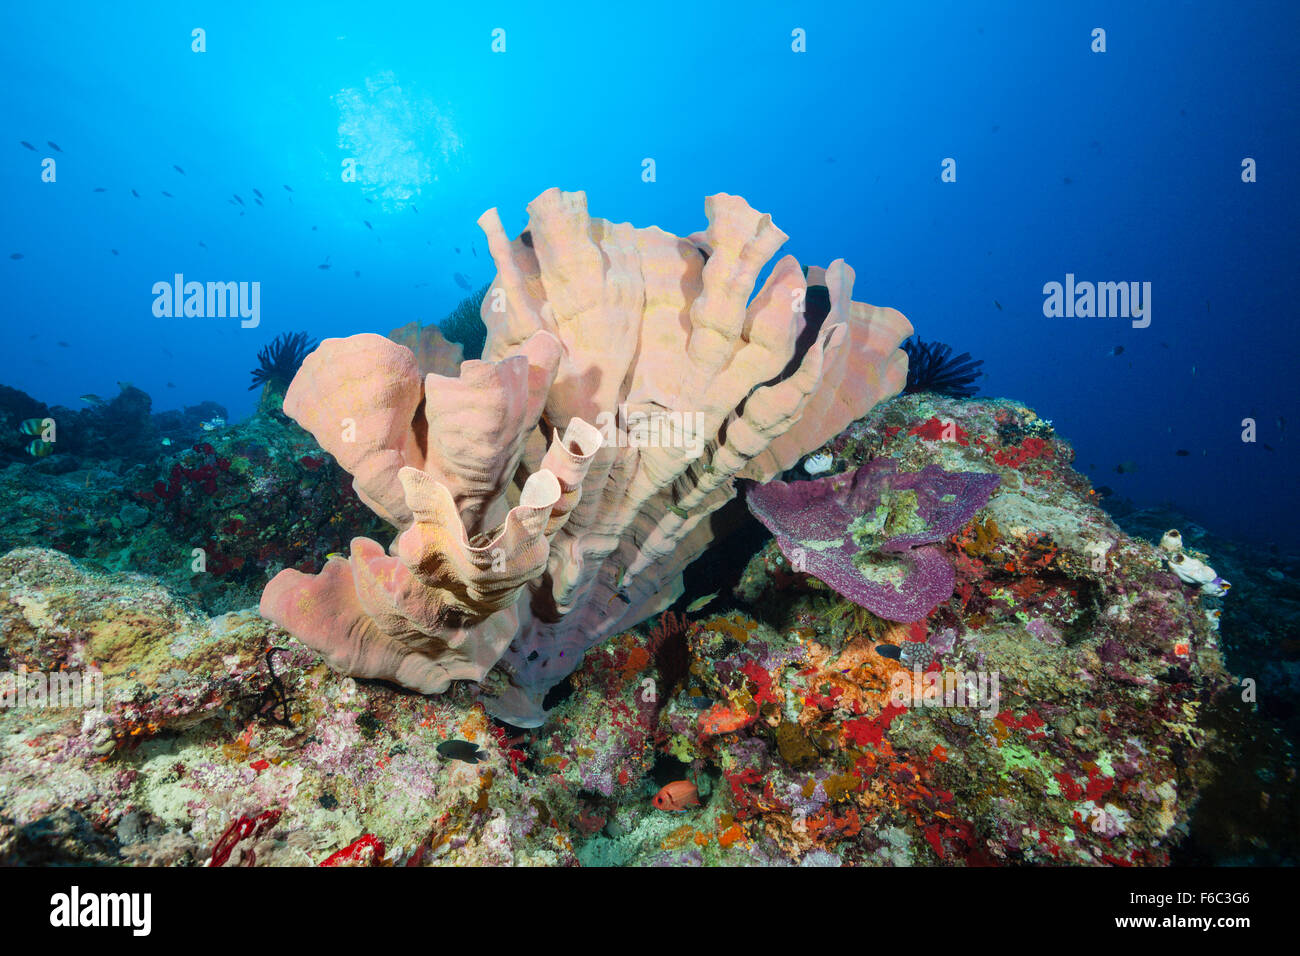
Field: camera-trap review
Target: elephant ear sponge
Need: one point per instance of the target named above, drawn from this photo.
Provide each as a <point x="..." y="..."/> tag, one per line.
<point x="550" y="494"/>
<point x="871" y="533"/>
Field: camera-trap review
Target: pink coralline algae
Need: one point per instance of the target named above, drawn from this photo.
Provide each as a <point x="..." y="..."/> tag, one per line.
<point x="898" y="574"/>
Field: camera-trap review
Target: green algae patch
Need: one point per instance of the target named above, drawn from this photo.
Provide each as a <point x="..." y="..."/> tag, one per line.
<point x="897" y="514"/>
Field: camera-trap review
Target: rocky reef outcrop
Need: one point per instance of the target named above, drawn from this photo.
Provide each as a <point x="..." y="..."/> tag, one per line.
<point x="1067" y="703"/>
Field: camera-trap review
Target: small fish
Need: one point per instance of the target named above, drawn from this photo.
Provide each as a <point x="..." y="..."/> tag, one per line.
<point x="1266" y="448"/>
<point x="62" y="344"/>
<point x="462" y="750"/>
<point x="680" y="512"/>
<point x="701" y="603"/>
<point x="1117" y="350"/>
<point x="32" y="426"/>
<point x="336" y="554"/>
<point x="356" y="273"/>
<point x="1067" y="180"/>
<point x="323" y="265"/>
<point x="413" y="209"/>
<point x="998" y="304"/>
<point x="462" y="281"/>
<point x="313" y="228"/>
<point x="166" y="442"/>
<point x="114" y="251"/>
<point x="258" y="201"/>
<point x="238" y="198"/>
<point x="457" y="248"/>
<point x="1182" y="453"/>
<point x="213" y="424"/>
<point x="892" y="651"/>
<point x="203" y="244"/>
<point x="1193" y="369"/>
<point x="288" y="189"/>
<point x="15" y="255"/>
<point x="171" y="384"/>
<point x="473" y="250"/>
<point x="369" y="200"/>
<point x="135" y="194"/>
<point x="1105" y="490"/>
<point x="167" y="194"/>
<point x="178" y="169"/>
<point x="91" y="398"/>
<point x="53" y="145"/>
<point x="99" y="189"/>
<point x="677" y="796"/>
<point x="39" y="449"/>
<point x="366" y="222"/>
<point x="819" y="464"/>
<point x="258" y="194"/>
<point x="28" y="145"/>
<point x="1281" y="423"/>
<point x="1125" y="467"/>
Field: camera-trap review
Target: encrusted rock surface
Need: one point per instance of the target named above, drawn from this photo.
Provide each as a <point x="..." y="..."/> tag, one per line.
<point x="221" y="740"/>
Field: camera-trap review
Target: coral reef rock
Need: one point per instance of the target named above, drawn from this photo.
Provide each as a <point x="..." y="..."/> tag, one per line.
<point x="205" y="746"/>
<point x="1061" y="705"/>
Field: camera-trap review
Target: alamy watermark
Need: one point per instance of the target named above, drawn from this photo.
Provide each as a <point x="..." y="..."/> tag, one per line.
<point x="976" y="690"/>
<point x="653" y="429"/>
<point x="1102" y="300"/>
<point x="22" y="689"/>
<point x="212" y="300"/>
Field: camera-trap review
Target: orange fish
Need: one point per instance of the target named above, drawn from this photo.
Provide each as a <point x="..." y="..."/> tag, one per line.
<point x="723" y="718"/>
<point x="677" y="795"/>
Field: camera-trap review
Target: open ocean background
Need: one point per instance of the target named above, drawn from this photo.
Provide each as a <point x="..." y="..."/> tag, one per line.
<point x="1122" y="166"/>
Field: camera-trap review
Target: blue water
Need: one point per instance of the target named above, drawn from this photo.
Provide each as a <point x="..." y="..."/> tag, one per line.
<point x="841" y="144"/>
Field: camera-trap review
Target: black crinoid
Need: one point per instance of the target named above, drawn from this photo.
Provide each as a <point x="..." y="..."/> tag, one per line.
<point x="465" y="325"/>
<point x="278" y="362"/>
<point x="931" y="367"/>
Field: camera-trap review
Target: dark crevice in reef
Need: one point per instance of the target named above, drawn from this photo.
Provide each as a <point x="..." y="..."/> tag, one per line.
<point x="737" y="535"/>
<point x="558" y="694"/>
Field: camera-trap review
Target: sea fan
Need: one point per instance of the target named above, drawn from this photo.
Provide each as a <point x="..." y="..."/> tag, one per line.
<point x="278" y="362"/>
<point x="932" y="368"/>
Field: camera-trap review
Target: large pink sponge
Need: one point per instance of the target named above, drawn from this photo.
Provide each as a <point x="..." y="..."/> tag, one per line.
<point x="551" y="494"/>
